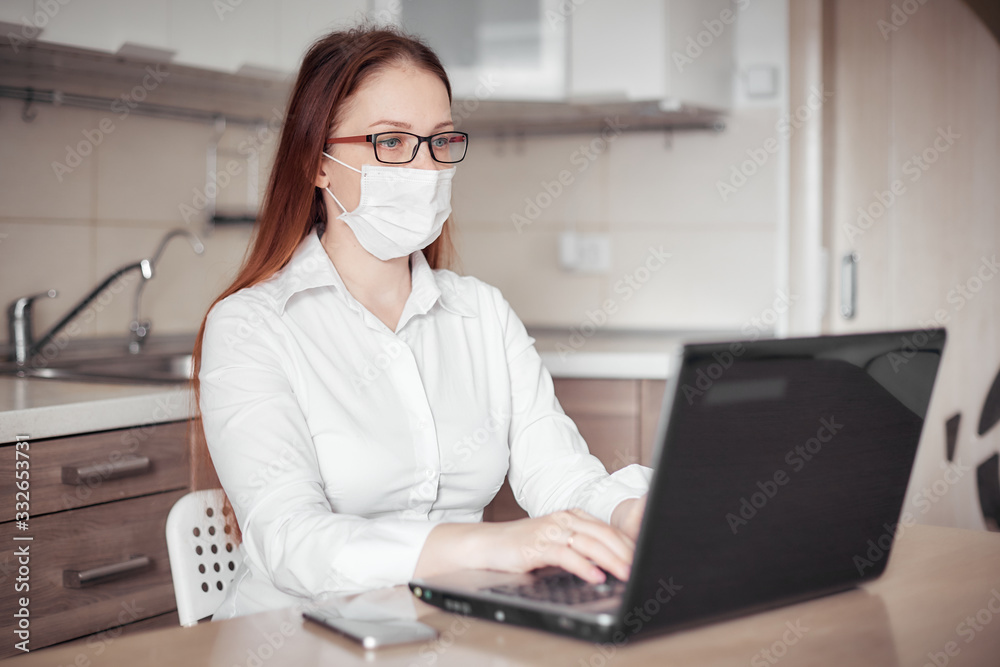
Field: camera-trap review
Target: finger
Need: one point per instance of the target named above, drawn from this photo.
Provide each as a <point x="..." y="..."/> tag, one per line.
<point x="601" y="555"/>
<point x="581" y="520"/>
<point x="617" y="541"/>
<point x="572" y="561"/>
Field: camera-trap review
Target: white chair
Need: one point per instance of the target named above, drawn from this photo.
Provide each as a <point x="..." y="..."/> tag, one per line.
<point x="203" y="557"/>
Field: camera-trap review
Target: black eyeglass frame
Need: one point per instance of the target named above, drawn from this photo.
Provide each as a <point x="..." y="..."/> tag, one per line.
<point x="372" y="138"/>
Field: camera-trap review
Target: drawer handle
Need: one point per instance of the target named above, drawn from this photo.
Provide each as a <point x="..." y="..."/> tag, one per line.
<point x="96" y="575"/>
<point x="138" y="465"/>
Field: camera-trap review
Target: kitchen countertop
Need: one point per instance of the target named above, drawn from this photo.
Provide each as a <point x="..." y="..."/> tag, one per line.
<point x="46" y="408"/>
<point x="612" y="354"/>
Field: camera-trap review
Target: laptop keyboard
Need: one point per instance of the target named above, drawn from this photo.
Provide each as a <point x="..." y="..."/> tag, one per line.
<point x="563" y="588"/>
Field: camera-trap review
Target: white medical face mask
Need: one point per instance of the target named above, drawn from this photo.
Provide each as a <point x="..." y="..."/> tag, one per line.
<point x="401" y="209"/>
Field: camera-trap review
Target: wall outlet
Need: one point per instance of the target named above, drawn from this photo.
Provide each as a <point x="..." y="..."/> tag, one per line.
<point x="585" y="253"/>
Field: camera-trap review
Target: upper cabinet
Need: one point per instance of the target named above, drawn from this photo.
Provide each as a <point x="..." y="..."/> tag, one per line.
<point x="520" y="65"/>
<point x="676" y="52"/>
<point x="512" y="50"/>
<point x="246" y="36"/>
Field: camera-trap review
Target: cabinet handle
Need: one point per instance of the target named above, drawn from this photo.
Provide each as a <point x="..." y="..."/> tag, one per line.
<point x="849" y="285"/>
<point x="138" y="465"/>
<point x="96" y="575"/>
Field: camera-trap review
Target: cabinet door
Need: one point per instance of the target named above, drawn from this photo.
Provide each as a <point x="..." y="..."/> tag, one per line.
<point x="103" y="25"/>
<point x="618" y="50"/>
<point x="93" y="468"/>
<point x="85" y="544"/>
<point x="913" y="192"/>
<point x="224" y="35"/>
<point x="514" y="50"/>
<point x="607" y="414"/>
<point x="301" y="22"/>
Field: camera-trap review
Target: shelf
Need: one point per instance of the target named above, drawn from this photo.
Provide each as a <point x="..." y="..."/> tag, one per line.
<point x="70" y="76"/>
<point x="532" y="118"/>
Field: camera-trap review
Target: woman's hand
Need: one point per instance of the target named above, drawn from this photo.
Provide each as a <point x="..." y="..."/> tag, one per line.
<point x="574" y="540"/>
<point x="627" y="516"/>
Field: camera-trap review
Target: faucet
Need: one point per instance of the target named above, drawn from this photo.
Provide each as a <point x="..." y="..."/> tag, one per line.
<point x="19" y="315"/>
<point x="19" y="312"/>
<point x="19" y="324"/>
<point x="139" y="329"/>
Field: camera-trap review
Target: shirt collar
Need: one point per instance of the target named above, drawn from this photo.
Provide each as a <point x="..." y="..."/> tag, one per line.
<point x="311" y="267"/>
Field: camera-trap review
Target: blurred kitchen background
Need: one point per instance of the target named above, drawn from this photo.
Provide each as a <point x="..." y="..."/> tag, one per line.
<point x="809" y="166"/>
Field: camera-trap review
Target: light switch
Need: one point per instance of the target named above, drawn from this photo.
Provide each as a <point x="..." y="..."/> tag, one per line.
<point x="761" y="81"/>
<point x="585" y="253"/>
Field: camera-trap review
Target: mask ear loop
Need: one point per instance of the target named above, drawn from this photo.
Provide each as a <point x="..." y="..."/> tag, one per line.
<point x="328" y="189"/>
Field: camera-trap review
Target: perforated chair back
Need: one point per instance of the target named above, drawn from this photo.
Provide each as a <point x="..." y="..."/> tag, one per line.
<point x="203" y="557"/>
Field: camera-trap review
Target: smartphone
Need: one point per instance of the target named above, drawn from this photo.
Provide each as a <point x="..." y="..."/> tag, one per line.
<point x="372" y="634"/>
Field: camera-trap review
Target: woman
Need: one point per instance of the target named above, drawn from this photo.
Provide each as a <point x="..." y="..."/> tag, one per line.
<point x="360" y="402"/>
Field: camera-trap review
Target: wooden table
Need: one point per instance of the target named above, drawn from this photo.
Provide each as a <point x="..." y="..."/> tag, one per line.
<point x="938" y="603"/>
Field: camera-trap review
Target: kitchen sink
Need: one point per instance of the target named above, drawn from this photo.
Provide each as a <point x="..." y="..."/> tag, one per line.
<point x="151" y="369"/>
<point x="166" y="361"/>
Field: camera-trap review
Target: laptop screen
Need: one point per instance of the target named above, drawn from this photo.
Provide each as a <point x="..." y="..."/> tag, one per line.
<point x="782" y="468"/>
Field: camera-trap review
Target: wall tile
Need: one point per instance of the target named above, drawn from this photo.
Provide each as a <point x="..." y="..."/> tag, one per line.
<point x="653" y="182"/>
<point x="183" y="285"/>
<point x="149" y="167"/>
<point x="32" y="186"/>
<point x="501" y="178"/>
<point x="713" y="278"/>
<point x="35" y="257"/>
<point x="523" y="267"/>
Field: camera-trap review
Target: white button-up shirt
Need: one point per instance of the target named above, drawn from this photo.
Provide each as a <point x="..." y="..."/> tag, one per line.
<point x="341" y="443"/>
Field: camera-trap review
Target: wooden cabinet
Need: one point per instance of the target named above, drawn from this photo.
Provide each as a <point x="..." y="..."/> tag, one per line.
<point x="93" y="554"/>
<point x="617" y="418"/>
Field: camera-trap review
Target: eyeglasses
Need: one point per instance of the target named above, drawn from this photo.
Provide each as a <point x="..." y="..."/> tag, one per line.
<point x="402" y="147"/>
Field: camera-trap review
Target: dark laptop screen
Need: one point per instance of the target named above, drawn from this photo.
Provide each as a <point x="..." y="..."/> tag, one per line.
<point x="783" y="462"/>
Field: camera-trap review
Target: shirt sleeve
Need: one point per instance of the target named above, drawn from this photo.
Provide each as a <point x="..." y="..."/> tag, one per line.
<point x="551" y="467"/>
<point x="265" y="458"/>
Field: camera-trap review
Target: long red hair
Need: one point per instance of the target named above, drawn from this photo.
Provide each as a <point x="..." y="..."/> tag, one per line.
<point x="332" y="70"/>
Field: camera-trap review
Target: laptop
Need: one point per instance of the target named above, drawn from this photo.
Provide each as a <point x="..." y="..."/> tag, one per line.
<point x="779" y="473"/>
